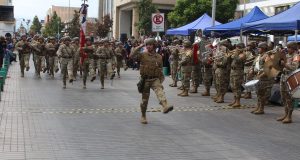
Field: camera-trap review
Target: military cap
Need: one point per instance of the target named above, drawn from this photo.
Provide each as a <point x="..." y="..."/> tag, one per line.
<point x="263" y="45"/>
<point x="240" y="45"/>
<point x="75" y="39"/>
<point x="67" y="38"/>
<point x="292" y="45"/>
<point x="187" y="43"/>
<point x="150" y="41"/>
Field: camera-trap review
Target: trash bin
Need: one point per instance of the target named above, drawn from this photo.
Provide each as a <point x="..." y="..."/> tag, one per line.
<point x="166" y="71"/>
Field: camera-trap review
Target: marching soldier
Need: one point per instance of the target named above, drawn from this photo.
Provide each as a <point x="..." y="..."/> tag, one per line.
<point x="76" y="60"/>
<point x="291" y="64"/>
<point x="51" y="49"/>
<point x="151" y="72"/>
<point x="88" y="61"/>
<point x="207" y="71"/>
<point x="237" y="73"/>
<point x="120" y="53"/>
<point x="33" y="43"/>
<point x="39" y="51"/>
<point x="250" y="56"/>
<point x="24" y="49"/>
<point x="186" y="67"/>
<point x="221" y="72"/>
<point x="265" y="83"/>
<point x="66" y="52"/>
<point x="174" y="60"/>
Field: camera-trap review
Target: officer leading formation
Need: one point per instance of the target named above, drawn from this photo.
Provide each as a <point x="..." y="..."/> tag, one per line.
<point x="254" y="67"/>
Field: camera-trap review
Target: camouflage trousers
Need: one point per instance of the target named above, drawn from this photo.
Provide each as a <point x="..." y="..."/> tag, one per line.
<point x="263" y="91"/>
<point x="157" y="87"/>
<point x="76" y="65"/>
<point x="120" y="64"/>
<point x="207" y="76"/>
<point x="88" y="67"/>
<point x="285" y="95"/>
<point x="236" y="81"/>
<point x="24" y="62"/>
<point x="102" y="68"/>
<point x="196" y="75"/>
<point x="67" y="68"/>
<point x="53" y="64"/>
<point x="221" y="80"/>
<point x="40" y="63"/>
<point x="186" y="79"/>
<point x="174" y="70"/>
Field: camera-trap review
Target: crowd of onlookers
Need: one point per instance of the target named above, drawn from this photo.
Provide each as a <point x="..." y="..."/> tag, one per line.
<point x="7" y="48"/>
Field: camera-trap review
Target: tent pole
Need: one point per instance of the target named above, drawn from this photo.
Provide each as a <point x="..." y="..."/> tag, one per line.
<point x="241" y="36"/>
<point x="296" y="35"/>
<point x="213" y="12"/>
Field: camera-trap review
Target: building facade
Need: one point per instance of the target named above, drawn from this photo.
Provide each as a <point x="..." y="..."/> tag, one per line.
<point x="269" y="7"/>
<point x="65" y="13"/>
<point x="7" y="20"/>
<point x="125" y="14"/>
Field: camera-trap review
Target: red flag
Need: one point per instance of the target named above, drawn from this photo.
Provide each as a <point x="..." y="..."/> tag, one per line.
<point x="83" y="13"/>
<point x="195" y="55"/>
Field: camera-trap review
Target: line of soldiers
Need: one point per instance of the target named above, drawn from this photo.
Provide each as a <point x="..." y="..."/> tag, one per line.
<point x="227" y="67"/>
<point x="101" y="57"/>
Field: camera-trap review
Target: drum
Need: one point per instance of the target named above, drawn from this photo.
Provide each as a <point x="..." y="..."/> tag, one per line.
<point x="251" y="85"/>
<point x="293" y="83"/>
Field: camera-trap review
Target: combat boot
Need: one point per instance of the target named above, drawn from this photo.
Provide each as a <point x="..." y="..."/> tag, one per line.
<point x="206" y="93"/>
<point x="185" y="93"/>
<point x="284" y="116"/>
<point x="232" y="103"/>
<point x="102" y="84"/>
<point x="256" y="108"/>
<point x="288" y="118"/>
<point x="179" y="94"/>
<point x="260" y="109"/>
<point x="166" y="108"/>
<point x="247" y="95"/>
<point x="84" y="85"/>
<point x="143" y="117"/>
<point x="215" y="96"/>
<point x="194" y="90"/>
<point x="181" y="87"/>
<point x="27" y="68"/>
<point x="220" y="99"/>
<point x="237" y="103"/>
<point x="64" y="85"/>
<point x="22" y="74"/>
<point x="93" y="78"/>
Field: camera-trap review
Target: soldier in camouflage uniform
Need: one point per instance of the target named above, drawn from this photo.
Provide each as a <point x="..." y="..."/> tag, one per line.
<point x="151" y="72"/>
<point x="120" y="54"/>
<point x="186" y="64"/>
<point x="174" y="60"/>
<point x="265" y="83"/>
<point x="291" y="64"/>
<point x="207" y="71"/>
<point x="24" y="50"/>
<point x="76" y="60"/>
<point x="250" y="55"/>
<point x="237" y="73"/>
<point x="51" y="49"/>
<point x="66" y="52"/>
<point x="33" y="43"/>
<point x="221" y="72"/>
<point x="88" y="61"/>
<point x="40" y="52"/>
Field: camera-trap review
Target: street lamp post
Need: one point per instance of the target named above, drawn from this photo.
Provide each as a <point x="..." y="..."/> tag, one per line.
<point x="213" y="12"/>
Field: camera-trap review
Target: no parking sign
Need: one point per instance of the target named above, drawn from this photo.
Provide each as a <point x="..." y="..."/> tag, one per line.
<point x="158" y="22"/>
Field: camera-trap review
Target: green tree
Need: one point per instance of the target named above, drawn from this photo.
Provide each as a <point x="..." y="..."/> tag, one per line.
<point x="54" y="26"/>
<point x="36" y="25"/>
<point x="145" y="8"/>
<point x="74" y="25"/>
<point x="186" y="11"/>
<point x="104" y="27"/>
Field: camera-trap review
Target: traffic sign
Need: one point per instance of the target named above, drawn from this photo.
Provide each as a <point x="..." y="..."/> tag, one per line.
<point x="158" y="22"/>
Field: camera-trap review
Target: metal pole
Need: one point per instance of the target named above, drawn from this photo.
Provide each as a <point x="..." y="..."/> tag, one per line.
<point x="296" y="35"/>
<point x="213" y="12"/>
<point x="244" y="12"/>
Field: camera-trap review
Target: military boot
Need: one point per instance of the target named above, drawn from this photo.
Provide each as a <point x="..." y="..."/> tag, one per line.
<point x="22" y="74"/>
<point x="93" y="78"/>
<point x="185" y="93"/>
<point x="256" y="108"/>
<point x="260" y="109"/>
<point x="194" y="90"/>
<point x="237" y="103"/>
<point x="166" y="108"/>
<point x="232" y="103"/>
<point x="247" y="95"/>
<point x="179" y="94"/>
<point x="284" y="116"/>
<point x="143" y="117"/>
<point x="206" y="93"/>
<point x="64" y="85"/>
<point x="181" y="87"/>
<point x="84" y="85"/>
<point x="220" y="99"/>
<point x="288" y="118"/>
<point x="102" y="83"/>
<point x="215" y="96"/>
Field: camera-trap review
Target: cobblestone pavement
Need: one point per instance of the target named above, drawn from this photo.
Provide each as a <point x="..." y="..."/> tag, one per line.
<point x="41" y="121"/>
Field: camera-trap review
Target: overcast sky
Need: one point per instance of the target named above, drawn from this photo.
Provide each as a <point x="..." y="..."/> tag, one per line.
<point x="29" y="8"/>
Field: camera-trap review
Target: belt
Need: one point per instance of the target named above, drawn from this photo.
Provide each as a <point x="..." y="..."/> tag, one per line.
<point x="236" y="68"/>
<point x="150" y="77"/>
<point x="66" y="57"/>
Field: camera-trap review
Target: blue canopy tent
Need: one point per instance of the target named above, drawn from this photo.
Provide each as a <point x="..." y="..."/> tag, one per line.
<point x="201" y="23"/>
<point x="293" y="38"/>
<point x="233" y="28"/>
<point x="288" y="20"/>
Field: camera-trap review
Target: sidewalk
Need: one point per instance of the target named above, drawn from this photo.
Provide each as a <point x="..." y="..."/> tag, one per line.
<point x="41" y="121"/>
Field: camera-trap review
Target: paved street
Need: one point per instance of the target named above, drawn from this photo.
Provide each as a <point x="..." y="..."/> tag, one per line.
<point x="41" y="121"/>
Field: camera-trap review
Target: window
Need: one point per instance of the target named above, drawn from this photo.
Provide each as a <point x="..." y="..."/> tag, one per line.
<point x="281" y="9"/>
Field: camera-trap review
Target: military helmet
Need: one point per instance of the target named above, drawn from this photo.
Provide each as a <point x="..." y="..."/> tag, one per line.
<point x="23" y="35"/>
<point x="41" y="38"/>
<point x="251" y="44"/>
<point x="150" y="41"/>
<point x="67" y="38"/>
<point x="225" y="43"/>
<point x="263" y="45"/>
<point x="88" y="38"/>
<point x="240" y="45"/>
<point x="187" y="43"/>
<point x="119" y="43"/>
<point x="51" y="38"/>
<point x="292" y="45"/>
<point x="105" y="40"/>
<point x="75" y="39"/>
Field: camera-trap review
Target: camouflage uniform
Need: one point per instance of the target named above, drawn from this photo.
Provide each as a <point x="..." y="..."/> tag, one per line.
<point x="88" y="62"/>
<point x="265" y="84"/>
<point x="151" y="72"/>
<point x="174" y="60"/>
<point x="66" y="53"/>
<point x="292" y="63"/>
<point x="237" y="73"/>
<point x="39" y="51"/>
<point x="186" y="67"/>
<point x="76" y="59"/>
<point x="120" y="54"/>
<point x="51" y="49"/>
<point x="250" y="55"/>
<point x="24" y="49"/>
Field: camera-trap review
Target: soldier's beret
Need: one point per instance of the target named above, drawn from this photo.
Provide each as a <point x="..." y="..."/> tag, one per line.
<point x="240" y="45"/>
<point x="187" y="43"/>
<point x="292" y="45"/>
<point x="150" y="41"/>
<point x="263" y="45"/>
